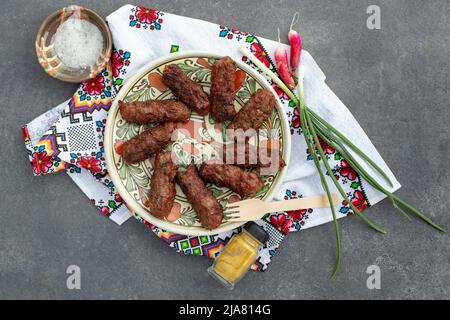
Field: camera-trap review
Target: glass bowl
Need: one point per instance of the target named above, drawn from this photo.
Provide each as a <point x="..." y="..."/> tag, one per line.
<point x="49" y="59"/>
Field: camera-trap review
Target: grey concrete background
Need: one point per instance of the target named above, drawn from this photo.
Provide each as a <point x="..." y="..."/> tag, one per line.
<point x="395" y="81"/>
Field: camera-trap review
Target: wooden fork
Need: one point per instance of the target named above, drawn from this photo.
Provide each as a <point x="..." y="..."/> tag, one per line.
<point x="255" y="209"/>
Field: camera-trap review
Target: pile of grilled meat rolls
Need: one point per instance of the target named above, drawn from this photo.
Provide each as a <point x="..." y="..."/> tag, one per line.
<point x="167" y="114"/>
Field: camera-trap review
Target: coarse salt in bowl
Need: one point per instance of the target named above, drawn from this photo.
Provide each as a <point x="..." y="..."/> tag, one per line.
<point x="73" y="44"/>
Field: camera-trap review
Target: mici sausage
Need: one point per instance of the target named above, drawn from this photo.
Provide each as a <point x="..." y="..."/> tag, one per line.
<point x="222" y="95"/>
<point x="244" y="183"/>
<point x="201" y="198"/>
<point x="156" y="111"/>
<point x="186" y="90"/>
<point x="148" y="142"/>
<point x="162" y="189"/>
<point x="253" y="114"/>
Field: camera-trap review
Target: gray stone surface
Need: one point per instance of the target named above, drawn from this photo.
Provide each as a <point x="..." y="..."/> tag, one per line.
<point x="395" y="81"/>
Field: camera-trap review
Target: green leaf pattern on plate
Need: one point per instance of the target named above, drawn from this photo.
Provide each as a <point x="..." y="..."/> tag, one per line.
<point x="247" y="89"/>
<point x="195" y="72"/>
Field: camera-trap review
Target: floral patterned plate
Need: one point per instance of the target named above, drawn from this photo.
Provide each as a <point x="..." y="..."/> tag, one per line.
<point x="133" y="181"/>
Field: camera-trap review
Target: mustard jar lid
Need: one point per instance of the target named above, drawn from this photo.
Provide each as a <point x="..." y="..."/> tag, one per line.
<point x="257" y="231"/>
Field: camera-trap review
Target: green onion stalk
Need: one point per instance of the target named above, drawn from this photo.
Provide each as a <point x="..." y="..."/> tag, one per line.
<point x="315" y="128"/>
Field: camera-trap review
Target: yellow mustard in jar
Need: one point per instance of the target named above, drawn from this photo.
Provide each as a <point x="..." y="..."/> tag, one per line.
<point x="238" y="255"/>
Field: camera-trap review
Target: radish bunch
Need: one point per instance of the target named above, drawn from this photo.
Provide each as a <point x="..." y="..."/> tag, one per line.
<point x="288" y="75"/>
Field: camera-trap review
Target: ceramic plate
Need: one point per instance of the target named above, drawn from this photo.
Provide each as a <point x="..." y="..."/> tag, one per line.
<point x="133" y="181"/>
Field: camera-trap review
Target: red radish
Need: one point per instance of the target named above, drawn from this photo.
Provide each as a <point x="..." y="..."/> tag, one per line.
<point x="281" y="58"/>
<point x="296" y="45"/>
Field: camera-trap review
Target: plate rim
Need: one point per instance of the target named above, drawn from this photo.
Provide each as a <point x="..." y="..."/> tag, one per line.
<point x="132" y="204"/>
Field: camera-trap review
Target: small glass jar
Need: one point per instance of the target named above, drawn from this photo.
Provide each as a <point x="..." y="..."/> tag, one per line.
<point x="49" y="59"/>
<point x="238" y="255"/>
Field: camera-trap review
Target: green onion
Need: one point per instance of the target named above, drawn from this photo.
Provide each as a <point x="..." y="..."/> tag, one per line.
<point x="310" y="145"/>
<point x="314" y="127"/>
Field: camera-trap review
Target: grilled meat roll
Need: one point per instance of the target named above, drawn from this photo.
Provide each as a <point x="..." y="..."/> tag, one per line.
<point x="222" y="94"/>
<point x="253" y="114"/>
<point x="189" y="92"/>
<point x="148" y="142"/>
<point x="244" y="183"/>
<point x="157" y="111"/>
<point x="162" y="188"/>
<point x="202" y="200"/>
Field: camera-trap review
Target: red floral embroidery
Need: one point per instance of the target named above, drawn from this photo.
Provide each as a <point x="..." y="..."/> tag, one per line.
<point x="359" y="201"/>
<point x="281" y="222"/>
<point x="237" y="31"/>
<point x="116" y="63"/>
<point x="326" y="148"/>
<point x="259" y="53"/>
<point x="146" y="15"/>
<point x="347" y="171"/>
<point x="296" y="119"/>
<point x="94" y="86"/>
<point x="90" y="163"/>
<point x="297" y="214"/>
<point x="145" y="18"/>
<point x="118" y="198"/>
<point x="148" y="224"/>
<point x="41" y="162"/>
<point x="280" y="92"/>
<point x="231" y="33"/>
